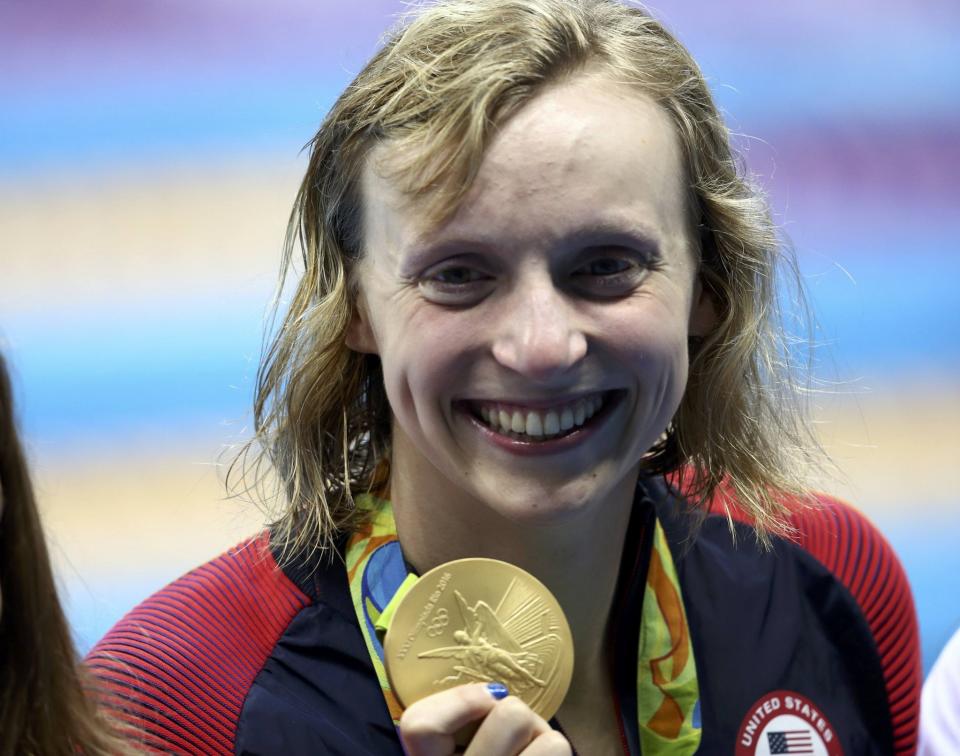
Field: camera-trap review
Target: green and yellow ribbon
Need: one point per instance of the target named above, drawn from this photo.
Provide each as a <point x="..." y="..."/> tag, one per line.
<point x="667" y="691"/>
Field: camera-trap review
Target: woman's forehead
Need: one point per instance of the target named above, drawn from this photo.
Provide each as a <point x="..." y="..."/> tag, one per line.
<point x="587" y="152"/>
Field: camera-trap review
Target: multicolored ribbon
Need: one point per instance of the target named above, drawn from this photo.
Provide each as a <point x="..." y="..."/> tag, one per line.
<point x="667" y="691"/>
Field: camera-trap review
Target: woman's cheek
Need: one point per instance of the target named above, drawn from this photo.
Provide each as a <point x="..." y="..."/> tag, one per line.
<point x="418" y="375"/>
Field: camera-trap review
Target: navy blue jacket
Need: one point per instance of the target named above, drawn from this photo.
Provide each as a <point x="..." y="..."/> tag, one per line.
<point x="811" y="647"/>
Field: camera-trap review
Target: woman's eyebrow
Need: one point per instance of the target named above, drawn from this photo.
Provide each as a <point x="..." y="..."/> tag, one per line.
<point x="641" y="237"/>
<point x="430" y="248"/>
<point x="433" y="245"/>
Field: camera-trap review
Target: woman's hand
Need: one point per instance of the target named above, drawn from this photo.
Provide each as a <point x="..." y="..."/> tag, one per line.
<point x="507" y="725"/>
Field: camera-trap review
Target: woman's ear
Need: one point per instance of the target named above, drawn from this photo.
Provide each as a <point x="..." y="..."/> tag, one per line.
<point x="359" y="334"/>
<point x="703" y="311"/>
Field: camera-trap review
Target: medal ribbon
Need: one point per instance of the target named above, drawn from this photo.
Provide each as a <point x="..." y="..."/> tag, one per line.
<point x="668" y="696"/>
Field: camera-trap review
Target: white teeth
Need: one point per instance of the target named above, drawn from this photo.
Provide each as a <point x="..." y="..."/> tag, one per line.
<point x="538" y="424"/>
<point x="551" y="423"/>
<point x="593" y="405"/>
<point x="534" y="424"/>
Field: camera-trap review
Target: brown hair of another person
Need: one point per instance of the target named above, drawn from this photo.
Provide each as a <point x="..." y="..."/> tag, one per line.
<point x="44" y="708"/>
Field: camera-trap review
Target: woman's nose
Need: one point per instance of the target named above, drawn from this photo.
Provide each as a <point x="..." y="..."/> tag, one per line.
<point x="538" y="334"/>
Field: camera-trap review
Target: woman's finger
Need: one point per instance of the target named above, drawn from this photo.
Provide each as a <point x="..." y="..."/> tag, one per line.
<point x="550" y="743"/>
<point x="509" y="728"/>
<point x="427" y="727"/>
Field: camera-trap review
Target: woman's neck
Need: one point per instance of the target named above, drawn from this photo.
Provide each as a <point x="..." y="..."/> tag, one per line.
<point x="577" y="556"/>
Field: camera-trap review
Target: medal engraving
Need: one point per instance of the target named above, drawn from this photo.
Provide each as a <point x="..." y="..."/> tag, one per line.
<point x="437" y="622"/>
<point x="483" y="621"/>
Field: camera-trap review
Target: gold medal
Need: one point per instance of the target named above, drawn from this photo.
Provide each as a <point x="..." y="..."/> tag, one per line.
<point x="480" y="620"/>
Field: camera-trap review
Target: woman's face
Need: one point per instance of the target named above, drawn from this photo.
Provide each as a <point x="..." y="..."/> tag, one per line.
<point x="534" y="346"/>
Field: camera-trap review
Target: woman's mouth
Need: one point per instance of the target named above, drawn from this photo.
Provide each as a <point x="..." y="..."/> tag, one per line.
<point x="540" y="424"/>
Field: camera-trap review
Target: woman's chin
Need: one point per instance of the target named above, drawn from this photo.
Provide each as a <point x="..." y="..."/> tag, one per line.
<point x="543" y="505"/>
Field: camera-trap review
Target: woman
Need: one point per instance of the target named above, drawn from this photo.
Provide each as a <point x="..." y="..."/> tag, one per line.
<point x="43" y="706"/>
<point x="536" y="322"/>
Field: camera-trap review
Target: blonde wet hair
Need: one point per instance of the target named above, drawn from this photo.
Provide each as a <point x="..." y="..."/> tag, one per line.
<point x="437" y="90"/>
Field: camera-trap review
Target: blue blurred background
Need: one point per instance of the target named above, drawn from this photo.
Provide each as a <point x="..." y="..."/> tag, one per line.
<point x="149" y="154"/>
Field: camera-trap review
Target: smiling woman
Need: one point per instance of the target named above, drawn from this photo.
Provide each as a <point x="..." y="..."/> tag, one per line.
<point x="533" y="333"/>
<point x="536" y="323"/>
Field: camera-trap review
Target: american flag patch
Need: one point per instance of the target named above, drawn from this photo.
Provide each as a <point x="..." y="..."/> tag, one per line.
<point x="790" y="741"/>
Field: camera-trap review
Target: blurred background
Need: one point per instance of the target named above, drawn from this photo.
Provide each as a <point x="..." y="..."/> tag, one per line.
<point x="149" y="155"/>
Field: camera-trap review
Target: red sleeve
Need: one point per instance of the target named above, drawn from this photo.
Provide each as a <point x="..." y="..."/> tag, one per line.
<point x="845" y="542"/>
<point x="849" y="545"/>
<point x="179" y="666"/>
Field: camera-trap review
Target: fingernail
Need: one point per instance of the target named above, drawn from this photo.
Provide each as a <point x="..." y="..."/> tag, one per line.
<point x="498" y="690"/>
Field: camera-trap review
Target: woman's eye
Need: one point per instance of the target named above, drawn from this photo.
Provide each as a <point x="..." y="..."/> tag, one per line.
<point x="607" y="266"/>
<point x="457" y="276"/>
<point x="455" y="285"/>
<point x="610" y="276"/>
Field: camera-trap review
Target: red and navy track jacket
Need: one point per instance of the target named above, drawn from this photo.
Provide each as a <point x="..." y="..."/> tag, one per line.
<point x="811" y="647"/>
